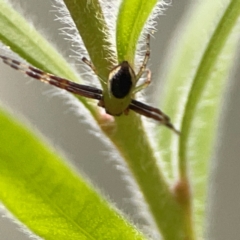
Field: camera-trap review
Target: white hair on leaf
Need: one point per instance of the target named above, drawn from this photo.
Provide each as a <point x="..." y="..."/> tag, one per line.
<point x="78" y="49"/>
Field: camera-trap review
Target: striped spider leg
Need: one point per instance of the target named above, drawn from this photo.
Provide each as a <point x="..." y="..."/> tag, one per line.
<point x="75" y="88"/>
<point x="152" y="112"/>
<point x="88" y="91"/>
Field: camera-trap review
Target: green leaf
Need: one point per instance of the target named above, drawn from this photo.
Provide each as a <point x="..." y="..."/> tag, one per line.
<point x="195" y="82"/>
<point x="132" y="16"/>
<point x="47" y="196"/>
<point x="23" y="39"/>
<point x="90" y="23"/>
<point x="204" y="70"/>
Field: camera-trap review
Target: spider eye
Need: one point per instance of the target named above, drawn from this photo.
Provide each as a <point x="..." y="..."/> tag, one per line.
<point x="121" y="80"/>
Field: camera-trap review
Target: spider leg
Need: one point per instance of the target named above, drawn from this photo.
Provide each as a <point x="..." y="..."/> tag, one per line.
<point x="85" y="60"/>
<point x="145" y="83"/>
<point x="89" y="64"/>
<point x="153" y="113"/>
<point x="145" y="60"/>
<point x="75" y="88"/>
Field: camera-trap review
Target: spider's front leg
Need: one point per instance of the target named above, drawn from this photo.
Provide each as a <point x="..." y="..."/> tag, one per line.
<point x="145" y="60"/>
<point x="145" y="83"/>
<point x="38" y="74"/>
<point x="89" y="64"/>
<point x="143" y="69"/>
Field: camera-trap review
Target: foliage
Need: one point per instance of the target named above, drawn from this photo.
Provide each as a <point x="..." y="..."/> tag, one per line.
<point x="54" y="201"/>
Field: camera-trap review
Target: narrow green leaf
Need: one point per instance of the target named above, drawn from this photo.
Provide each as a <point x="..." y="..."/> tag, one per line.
<point x="201" y="79"/>
<point x="90" y="23"/>
<point x="179" y="70"/>
<point x="132" y="16"/>
<point x="204" y="70"/>
<point x="23" y="39"/>
<point x="205" y="126"/>
<point x="47" y="196"/>
<point x="195" y="82"/>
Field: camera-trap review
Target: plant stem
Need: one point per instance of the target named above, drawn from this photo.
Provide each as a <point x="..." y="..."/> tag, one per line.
<point x="132" y="143"/>
<point x="127" y="132"/>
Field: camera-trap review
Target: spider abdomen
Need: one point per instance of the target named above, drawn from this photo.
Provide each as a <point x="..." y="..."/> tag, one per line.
<point x="121" y="80"/>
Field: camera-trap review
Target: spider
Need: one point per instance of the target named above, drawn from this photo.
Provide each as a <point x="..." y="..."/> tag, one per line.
<point x="121" y="86"/>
